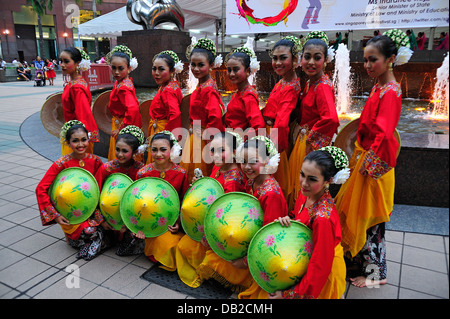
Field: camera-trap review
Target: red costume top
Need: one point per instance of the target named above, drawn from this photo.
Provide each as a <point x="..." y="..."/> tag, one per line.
<point x="48" y="212"/>
<point x="323" y="219"/>
<point x="176" y="176"/>
<point x="270" y="198"/>
<point x="318" y="113"/>
<point x="50" y="71"/>
<point x="282" y="100"/>
<point x="123" y="103"/>
<point x="76" y="101"/>
<point x="206" y="105"/>
<point x="243" y="110"/>
<point x="114" y="167"/>
<point x="376" y="128"/>
<point x="231" y="181"/>
<point x="166" y="105"/>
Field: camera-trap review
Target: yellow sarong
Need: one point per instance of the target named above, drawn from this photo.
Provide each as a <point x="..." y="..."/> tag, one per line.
<point x="160" y="126"/>
<point x="115" y="124"/>
<point x="334" y="288"/>
<point x="189" y="255"/>
<point x="163" y="248"/>
<point x="363" y="202"/>
<point x="282" y="175"/>
<point x="295" y="165"/>
<point x="192" y="151"/>
<point x="214" y="267"/>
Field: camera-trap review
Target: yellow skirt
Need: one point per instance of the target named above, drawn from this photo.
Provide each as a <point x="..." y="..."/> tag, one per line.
<point x="214" y="267"/>
<point x="163" y="248"/>
<point x="192" y="150"/>
<point x="335" y="286"/>
<point x="189" y="254"/>
<point x="115" y="124"/>
<point x="160" y="126"/>
<point x="363" y="202"/>
<point x="295" y="165"/>
<point x="65" y="149"/>
<point x="282" y="175"/>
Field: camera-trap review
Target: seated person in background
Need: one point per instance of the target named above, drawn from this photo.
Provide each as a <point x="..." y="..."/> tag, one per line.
<point x="21" y="72"/>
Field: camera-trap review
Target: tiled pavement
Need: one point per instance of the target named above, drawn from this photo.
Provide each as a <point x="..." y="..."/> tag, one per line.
<point x="33" y="258"/>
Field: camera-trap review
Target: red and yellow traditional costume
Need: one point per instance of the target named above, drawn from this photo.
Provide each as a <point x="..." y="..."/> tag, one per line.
<point x="162" y="248"/>
<point x="206" y="107"/>
<point x="190" y="253"/>
<point x="318" y="122"/>
<point x="92" y="164"/>
<point x="113" y="166"/>
<point x="273" y="204"/>
<point x="365" y="201"/>
<point x="124" y="107"/>
<point x="165" y="114"/>
<point x="325" y="276"/>
<point x="243" y="110"/>
<point x="282" y="101"/>
<point x="76" y="101"/>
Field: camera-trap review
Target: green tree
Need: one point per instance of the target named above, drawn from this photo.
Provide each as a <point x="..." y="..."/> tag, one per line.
<point x="40" y="7"/>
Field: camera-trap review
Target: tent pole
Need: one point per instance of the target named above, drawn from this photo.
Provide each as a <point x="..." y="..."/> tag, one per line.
<point x="223" y="26"/>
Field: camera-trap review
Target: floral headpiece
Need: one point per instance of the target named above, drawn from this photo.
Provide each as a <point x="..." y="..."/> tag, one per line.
<point x="322" y="36"/>
<point x="340" y="162"/>
<point x="85" y="63"/>
<point x="178" y="64"/>
<point x="247" y="48"/>
<point x="207" y="44"/>
<point x="66" y="127"/>
<point x="401" y="41"/>
<point x="176" y="149"/>
<point x="136" y="132"/>
<point x="274" y="156"/>
<point x="124" y="49"/>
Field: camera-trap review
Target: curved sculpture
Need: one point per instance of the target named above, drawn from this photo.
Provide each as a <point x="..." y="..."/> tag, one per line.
<point x="150" y="15"/>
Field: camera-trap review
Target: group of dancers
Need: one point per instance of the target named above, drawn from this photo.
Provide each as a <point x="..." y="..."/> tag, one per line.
<point x="290" y="178"/>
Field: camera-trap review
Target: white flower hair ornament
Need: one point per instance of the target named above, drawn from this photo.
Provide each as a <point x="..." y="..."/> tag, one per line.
<point x="175" y="151"/>
<point x="330" y="54"/>
<point x="340" y="162"/>
<point x="124" y="49"/>
<point x="274" y="157"/>
<point x="218" y="61"/>
<point x="85" y="63"/>
<point x="136" y="132"/>
<point x="133" y="64"/>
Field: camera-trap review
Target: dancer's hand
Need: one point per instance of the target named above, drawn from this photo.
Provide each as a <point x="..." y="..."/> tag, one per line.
<point x="276" y="295"/>
<point x="62" y="220"/>
<point x="284" y="221"/>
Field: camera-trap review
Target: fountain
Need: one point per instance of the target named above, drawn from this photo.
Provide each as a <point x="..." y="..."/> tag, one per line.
<point x="342" y="79"/>
<point x="440" y="94"/>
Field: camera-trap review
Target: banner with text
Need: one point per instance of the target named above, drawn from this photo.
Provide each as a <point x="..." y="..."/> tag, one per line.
<point x="265" y="16"/>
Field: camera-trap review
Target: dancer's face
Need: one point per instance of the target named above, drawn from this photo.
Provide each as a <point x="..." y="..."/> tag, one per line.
<point x="282" y="61"/>
<point x="160" y="151"/>
<point x="221" y="151"/>
<point x="200" y="65"/>
<point x="236" y="71"/>
<point x="79" y="142"/>
<point x="313" y="60"/>
<point x="161" y="72"/>
<point x="119" y="68"/>
<point x="253" y="164"/>
<point x="312" y="181"/>
<point x="375" y="62"/>
<point x="68" y="65"/>
<point x="124" y="152"/>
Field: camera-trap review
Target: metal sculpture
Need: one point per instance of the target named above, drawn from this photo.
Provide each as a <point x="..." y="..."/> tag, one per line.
<point x="159" y="11"/>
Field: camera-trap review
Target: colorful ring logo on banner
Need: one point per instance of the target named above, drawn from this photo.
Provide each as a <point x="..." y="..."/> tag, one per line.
<point x="247" y="12"/>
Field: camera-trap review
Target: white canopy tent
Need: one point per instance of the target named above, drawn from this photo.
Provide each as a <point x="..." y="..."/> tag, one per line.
<point x="200" y="21"/>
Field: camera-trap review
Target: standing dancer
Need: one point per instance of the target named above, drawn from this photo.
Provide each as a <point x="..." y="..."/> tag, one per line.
<point x="366" y="200"/>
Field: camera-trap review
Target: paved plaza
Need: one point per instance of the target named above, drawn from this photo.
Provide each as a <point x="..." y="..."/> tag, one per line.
<point x="34" y="259"/>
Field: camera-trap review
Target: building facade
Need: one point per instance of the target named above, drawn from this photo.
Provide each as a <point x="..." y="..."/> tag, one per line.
<point x="19" y="34"/>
